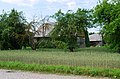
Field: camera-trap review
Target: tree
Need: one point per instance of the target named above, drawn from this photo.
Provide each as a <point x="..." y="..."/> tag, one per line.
<point x="69" y="25"/>
<point x="107" y="14"/>
<point x="30" y="32"/>
<point x="37" y="27"/>
<point x="12" y="30"/>
<point x="65" y="29"/>
<point x="84" y="21"/>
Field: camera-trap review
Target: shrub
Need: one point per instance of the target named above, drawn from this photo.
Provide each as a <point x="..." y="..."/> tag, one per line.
<point x="45" y="43"/>
<point x="60" y="44"/>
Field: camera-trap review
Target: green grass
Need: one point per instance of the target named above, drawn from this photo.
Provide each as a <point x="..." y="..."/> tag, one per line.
<point x="113" y="73"/>
<point x="87" y="61"/>
<point x="88" y="57"/>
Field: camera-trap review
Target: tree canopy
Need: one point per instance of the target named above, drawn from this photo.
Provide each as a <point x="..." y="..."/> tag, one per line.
<point x="70" y="25"/>
<point x="107" y="14"/>
<point x="12" y="30"/>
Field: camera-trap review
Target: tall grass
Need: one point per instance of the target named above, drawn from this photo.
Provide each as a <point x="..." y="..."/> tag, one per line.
<point x="113" y="73"/>
<point x="87" y="57"/>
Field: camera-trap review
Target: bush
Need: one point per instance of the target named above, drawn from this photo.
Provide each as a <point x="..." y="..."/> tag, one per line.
<point x="48" y="43"/>
<point x="60" y="44"/>
<point x="45" y="43"/>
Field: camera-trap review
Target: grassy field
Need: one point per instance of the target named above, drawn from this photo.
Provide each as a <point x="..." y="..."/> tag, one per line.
<point x="87" y="57"/>
<point x="85" y="71"/>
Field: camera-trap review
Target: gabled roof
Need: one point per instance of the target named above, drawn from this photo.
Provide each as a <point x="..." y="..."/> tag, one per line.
<point x="95" y="37"/>
<point x="44" y="32"/>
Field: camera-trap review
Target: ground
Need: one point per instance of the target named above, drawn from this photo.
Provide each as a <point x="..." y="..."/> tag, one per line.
<point x="9" y="74"/>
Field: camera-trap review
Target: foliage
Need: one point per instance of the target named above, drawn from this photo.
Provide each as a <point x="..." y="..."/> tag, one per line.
<point x="49" y="43"/>
<point x="114" y="73"/>
<point x="87" y="42"/>
<point x="107" y="14"/>
<point x="12" y="30"/>
<point x="70" y="25"/>
<point x="84" y="21"/>
<point x="65" y="29"/>
<point x="37" y="27"/>
<point x="60" y="44"/>
<point x="45" y="43"/>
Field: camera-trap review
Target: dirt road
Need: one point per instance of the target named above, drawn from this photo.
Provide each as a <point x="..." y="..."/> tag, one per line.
<point x="8" y="74"/>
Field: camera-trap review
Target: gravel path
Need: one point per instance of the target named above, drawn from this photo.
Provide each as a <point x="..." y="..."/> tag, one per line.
<point x="8" y="74"/>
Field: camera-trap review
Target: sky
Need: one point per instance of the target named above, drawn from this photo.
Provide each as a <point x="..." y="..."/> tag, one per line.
<point x="32" y="8"/>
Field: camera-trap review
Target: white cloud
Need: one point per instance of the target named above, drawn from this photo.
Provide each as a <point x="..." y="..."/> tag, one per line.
<point x="88" y="4"/>
<point x="72" y="5"/>
<point x="21" y="2"/>
<point x="51" y="1"/>
<point x="57" y="1"/>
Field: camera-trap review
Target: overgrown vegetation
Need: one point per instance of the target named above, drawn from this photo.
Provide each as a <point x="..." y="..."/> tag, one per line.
<point x="115" y="73"/>
<point x="12" y="30"/>
<point x="49" y="43"/>
<point x="107" y="15"/>
<point x="88" y="57"/>
<point x="71" y="25"/>
<point x="16" y="32"/>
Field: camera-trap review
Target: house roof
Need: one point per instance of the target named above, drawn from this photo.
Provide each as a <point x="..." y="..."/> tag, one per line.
<point x="46" y="31"/>
<point x="95" y="37"/>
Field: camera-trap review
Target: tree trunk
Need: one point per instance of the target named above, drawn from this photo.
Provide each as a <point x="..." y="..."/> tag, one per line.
<point x="32" y="42"/>
<point x="119" y="50"/>
<point x="33" y="46"/>
<point x="71" y="49"/>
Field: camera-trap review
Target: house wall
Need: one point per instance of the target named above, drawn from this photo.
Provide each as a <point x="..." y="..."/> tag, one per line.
<point x="81" y="42"/>
<point x="95" y="43"/>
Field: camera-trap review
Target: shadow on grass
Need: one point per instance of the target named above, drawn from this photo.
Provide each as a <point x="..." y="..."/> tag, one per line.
<point x="87" y="49"/>
<point x="96" y="49"/>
